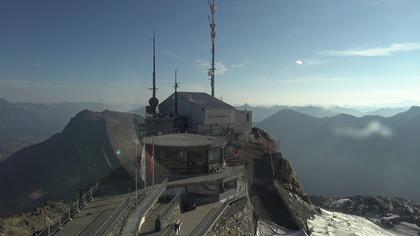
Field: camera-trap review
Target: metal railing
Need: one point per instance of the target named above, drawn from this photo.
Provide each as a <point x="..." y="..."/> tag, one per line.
<point x="164" y="213"/>
<point x="212" y="217"/>
<point x="112" y="219"/>
<point x="151" y="195"/>
<point x="153" y="198"/>
<point x="169" y="231"/>
<point x="221" y="132"/>
<point x="207" y="223"/>
<point x="74" y="208"/>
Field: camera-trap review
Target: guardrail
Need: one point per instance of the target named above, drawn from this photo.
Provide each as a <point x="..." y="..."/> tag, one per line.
<point x="207" y="223"/>
<point x="106" y="226"/>
<point x="164" y="213"/>
<point x="74" y="208"/>
<point x="218" y="132"/>
<point x="227" y="194"/>
<point x="210" y="220"/>
<point x="169" y="231"/>
<point x="133" y="223"/>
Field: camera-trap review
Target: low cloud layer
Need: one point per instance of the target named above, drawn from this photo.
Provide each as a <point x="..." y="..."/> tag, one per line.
<point x="27" y="84"/>
<point x="374" y="128"/>
<point x="374" y="52"/>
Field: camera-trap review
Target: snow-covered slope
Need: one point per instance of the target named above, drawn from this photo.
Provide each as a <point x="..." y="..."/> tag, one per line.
<point x="267" y="228"/>
<point x="339" y="224"/>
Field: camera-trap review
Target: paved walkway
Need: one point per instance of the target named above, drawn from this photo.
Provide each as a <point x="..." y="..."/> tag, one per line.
<point x="192" y="219"/>
<point x="131" y="227"/>
<point x="148" y="227"/>
<point x="92" y="216"/>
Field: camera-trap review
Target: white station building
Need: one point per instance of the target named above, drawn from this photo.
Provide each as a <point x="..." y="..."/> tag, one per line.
<point x="206" y="114"/>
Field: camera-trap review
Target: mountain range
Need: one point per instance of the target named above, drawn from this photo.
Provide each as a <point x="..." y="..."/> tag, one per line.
<point x="23" y="124"/>
<point x="262" y="112"/>
<point x="347" y="155"/>
<point x="327" y="148"/>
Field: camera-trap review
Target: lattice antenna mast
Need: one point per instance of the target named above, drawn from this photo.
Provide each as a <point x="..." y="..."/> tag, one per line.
<point x="211" y="73"/>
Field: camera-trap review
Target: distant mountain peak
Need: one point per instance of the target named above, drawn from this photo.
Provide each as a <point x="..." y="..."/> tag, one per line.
<point x="412" y="113"/>
<point x="344" y="116"/>
<point x="414" y="109"/>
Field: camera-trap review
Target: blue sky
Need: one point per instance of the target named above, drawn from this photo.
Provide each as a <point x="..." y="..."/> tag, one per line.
<point x="293" y="52"/>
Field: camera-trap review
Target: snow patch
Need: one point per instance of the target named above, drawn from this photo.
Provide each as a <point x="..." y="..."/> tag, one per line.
<point x="340" y="202"/>
<point x="339" y="224"/>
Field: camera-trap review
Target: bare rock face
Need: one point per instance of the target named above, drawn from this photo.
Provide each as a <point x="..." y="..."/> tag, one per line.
<point x="291" y="192"/>
<point x="262" y="138"/>
<point x="282" y="183"/>
<point x="27" y="223"/>
<point x="286" y="176"/>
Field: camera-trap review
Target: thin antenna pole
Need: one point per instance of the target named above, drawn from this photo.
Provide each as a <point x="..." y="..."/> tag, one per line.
<point x="154" y="65"/>
<point x="153" y="101"/>
<point x="176" y="86"/>
<point x="213" y="39"/>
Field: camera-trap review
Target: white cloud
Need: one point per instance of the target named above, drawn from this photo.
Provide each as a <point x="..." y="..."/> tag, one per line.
<point x="27" y="84"/>
<point x="413" y="18"/>
<point x="301" y="80"/>
<point x="374" y="52"/>
<point x="13" y="83"/>
<point x="371" y="129"/>
<point x="310" y="61"/>
<point x="240" y="65"/>
<point x="372" y="3"/>
<point x="314" y="61"/>
<point x="220" y="67"/>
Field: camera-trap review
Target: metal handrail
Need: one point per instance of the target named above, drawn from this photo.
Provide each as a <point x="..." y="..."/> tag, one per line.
<point x="220" y="132"/>
<point x="74" y="208"/>
<point x="212" y="217"/>
<point x="207" y="223"/>
<point x="110" y="221"/>
<point x="164" y="212"/>
<point x="156" y="196"/>
<point x="132" y="226"/>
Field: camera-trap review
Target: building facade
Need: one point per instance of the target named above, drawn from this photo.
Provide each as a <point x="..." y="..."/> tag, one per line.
<point x="184" y="153"/>
<point x="206" y="114"/>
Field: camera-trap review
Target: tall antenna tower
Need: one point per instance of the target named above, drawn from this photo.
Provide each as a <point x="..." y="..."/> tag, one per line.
<point x="212" y="6"/>
<point x="154" y="65"/>
<point x="176" y="86"/>
<point x="153" y="101"/>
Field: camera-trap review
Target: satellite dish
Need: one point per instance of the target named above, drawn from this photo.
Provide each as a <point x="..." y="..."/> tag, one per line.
<point x="153" y="102"/>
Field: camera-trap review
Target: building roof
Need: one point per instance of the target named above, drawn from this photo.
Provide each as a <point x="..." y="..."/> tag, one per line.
<point x="185" y="140"/>
<point x="203" y="100"/>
